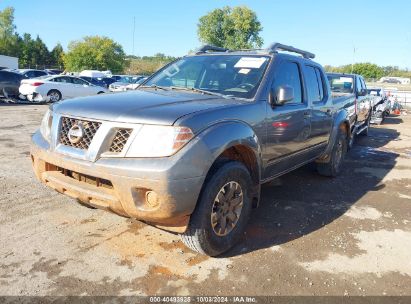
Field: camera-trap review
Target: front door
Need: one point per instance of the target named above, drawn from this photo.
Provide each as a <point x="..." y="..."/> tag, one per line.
<point x="288" y="126"/>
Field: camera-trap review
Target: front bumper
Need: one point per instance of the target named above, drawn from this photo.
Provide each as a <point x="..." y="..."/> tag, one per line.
<point x="138" y="188"/>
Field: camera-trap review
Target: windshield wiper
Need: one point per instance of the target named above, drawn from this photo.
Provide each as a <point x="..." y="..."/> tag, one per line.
<point x="154" y="86"/>
<point x="200" y="91"/>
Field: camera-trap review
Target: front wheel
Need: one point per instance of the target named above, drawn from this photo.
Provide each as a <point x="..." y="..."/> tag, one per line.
<point x="222" y="210"/>
<point x="338" y="152"/>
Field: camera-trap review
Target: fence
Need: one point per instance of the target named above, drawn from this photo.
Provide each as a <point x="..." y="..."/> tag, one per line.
<point x="403" y="97"/>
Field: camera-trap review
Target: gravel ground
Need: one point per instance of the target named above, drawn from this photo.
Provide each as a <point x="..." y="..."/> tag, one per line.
<point x="311" y="235"/>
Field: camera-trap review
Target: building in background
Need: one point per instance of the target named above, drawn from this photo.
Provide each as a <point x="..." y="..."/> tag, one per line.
<point x="7" y="62"/>
<point x="397" y="80"/>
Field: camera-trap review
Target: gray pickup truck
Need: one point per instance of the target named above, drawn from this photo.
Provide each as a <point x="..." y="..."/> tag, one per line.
<point x="349" y="91"/>
<point x="189" y="150"/>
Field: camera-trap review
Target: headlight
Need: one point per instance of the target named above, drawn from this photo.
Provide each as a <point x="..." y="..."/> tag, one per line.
<point x="159" y="141"/>
<point x="45" y="128"/>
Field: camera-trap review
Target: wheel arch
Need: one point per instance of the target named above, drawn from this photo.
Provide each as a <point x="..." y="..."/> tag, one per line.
<point x="341" y="121"/>
<point x="235" y="141"/>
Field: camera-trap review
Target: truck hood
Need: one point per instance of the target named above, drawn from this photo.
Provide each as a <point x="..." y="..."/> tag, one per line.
<point x="146" y="107"/>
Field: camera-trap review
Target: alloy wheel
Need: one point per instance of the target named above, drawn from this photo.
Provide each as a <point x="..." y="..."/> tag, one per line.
<point x="227" y="208"/>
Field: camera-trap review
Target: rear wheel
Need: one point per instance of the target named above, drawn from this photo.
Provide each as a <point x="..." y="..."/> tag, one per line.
<point x="222" y="210"/>
<point x="339" y="150"/>
<point x="54" y="95"/>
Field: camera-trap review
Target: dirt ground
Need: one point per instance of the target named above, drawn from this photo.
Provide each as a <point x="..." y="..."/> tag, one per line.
<point x="311" y="235"/>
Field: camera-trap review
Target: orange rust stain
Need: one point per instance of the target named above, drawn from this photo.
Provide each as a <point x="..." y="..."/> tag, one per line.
<point x="196" y="260"/>
<point x="160" y="270"/>
<point x="173" y="245"/>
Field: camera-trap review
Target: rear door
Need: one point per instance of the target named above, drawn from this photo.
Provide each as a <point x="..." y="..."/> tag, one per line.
<point x="321" y="112"/>
<point x="363" y="101"/>
<point x="64" y="86"/>
<point x="82" y="87"/>
<point x="288" y="126"/>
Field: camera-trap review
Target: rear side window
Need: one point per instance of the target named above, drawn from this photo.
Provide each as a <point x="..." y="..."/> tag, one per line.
<point x="320" y="80"/>
<point x="311" y="80"/>
<point x="288" y="74"/>
<point x="359" y="85"/>
<point x="78" y="81"/>
<point x="39" y="73"/>
<point x="62" y="79"/>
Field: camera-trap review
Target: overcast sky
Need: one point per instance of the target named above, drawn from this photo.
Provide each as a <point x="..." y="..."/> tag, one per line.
<point x="380" y="31"/>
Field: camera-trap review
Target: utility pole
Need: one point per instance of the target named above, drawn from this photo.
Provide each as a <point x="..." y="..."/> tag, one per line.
<point x="353" y="60"/>
<point x="134" y="32"/>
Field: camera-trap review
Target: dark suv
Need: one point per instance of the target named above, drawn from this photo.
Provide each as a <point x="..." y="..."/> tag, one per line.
<point x="10" y="83"/>
<point x="189" y="150"/>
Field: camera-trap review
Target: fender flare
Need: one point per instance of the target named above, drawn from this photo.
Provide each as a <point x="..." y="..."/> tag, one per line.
<point x="340" y="118"/>
<point x="224" y="135"/>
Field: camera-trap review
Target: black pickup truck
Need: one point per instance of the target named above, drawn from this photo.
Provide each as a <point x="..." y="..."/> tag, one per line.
<point x="189" y="150"/>
<point x="349" y="91"/>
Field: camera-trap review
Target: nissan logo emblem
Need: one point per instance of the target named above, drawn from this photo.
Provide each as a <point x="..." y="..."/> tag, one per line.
<point x="76" y="133"/>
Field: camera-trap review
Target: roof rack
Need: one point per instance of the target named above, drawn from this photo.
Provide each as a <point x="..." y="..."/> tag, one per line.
<point x="274" y="47"/>
<point x="210" y="48"/>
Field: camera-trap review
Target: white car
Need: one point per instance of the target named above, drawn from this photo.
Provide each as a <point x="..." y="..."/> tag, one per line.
<point x="57" y="87"/>
<point x="135" y="85"/>
<point x="122" y="82"/>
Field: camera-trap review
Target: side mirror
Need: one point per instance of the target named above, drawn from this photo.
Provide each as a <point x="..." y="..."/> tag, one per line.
<point x="362" y="92"/>
<point x="284" y="94"/>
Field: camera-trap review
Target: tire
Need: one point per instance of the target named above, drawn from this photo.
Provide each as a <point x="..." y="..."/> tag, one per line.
<point x="5" y="94"/>
<point x="54" y="96"/>
<point x="204" y="237"/>
<point x="339" y="150"/>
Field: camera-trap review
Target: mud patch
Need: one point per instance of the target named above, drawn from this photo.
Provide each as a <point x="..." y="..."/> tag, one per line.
<point x="90" y="220"/>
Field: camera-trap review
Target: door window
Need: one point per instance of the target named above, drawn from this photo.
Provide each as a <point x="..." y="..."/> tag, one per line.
<point x="313" y="85"/>
<point x="288" y="74"/>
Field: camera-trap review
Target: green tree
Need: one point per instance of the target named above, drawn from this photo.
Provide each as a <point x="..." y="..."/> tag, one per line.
<point x="26" y="54"/>
<point x="368" y="70"/>
<point x="56" y="56"/>
<point x="40" y="53"/>
<point x="8" y="38"/>
<point x="95" y="52"/>
<point x="233" y="28"/>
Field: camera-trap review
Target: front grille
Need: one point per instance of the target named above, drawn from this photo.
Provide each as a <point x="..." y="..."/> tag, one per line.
<point x="90" y="128"/>
<point x="92" y="180"/>
<point x="120" y="140"/>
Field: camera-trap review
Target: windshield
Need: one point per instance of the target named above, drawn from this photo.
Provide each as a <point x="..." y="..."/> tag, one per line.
<point x="230" y="75"/>
<point x="341" y="84"/>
